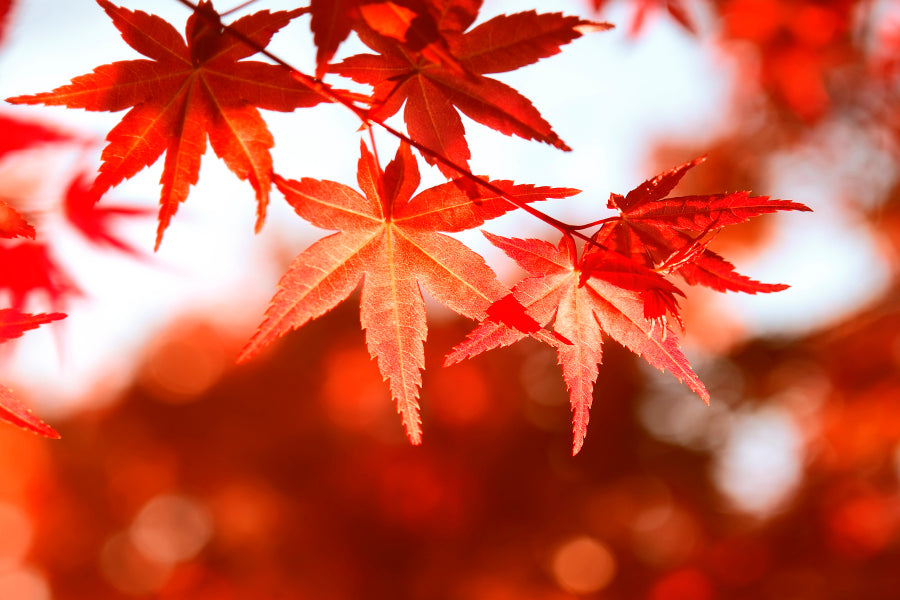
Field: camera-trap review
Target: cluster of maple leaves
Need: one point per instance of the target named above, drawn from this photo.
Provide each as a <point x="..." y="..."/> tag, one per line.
<point x="609" y="277"/>
<point x="27" y="265"/>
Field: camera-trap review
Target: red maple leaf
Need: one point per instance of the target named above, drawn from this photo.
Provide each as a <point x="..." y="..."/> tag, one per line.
<point x="18" y="135"/>
<point x="188" y="91"/>
<point x="414" y="24"/>
<point x="94" y="222"/>
<point x="582" y="307"/>
<point x="13" y="411"/>
<point x="12" y="224"/>
<point x="27" y="268"/>
<point x="13" y="324"/>
<point x="331" y="23"/>
<point x="652" y="228"/>
<point x="433" y="91"/>
<point x="389" y="240"/>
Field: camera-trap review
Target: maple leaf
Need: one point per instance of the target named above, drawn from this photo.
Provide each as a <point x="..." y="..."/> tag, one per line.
<point x="12" y="224"/>
<point x="583" y="306"/>
<point x="13" y="324"/>
<point x="93" y="222"/>
<point x="331" y="23"/>
<point x="19" y="135"/>
<point x="188" y="91"/>
<point x="419" y="26"/>
<point x="651" y="228"/>
<point x="389" y="240"/>
<point x="13" y="411"/>
<point x="26" y="268"/>
<point x="414" y="24"/>
<point x="433" y="92"/>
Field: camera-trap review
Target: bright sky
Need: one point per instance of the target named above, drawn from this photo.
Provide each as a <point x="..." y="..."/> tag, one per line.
<point x="607" y="95"/>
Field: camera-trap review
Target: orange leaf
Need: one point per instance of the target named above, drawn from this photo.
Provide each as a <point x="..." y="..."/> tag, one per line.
<point x="13" y="324"/>
<point x="388" y="240"/>
<point x="653" y="227"/>
<point x="13" y="411"/>
<point x="582" y="305"/>
<point x="188" y="91"/>
<point x="435" y="87"/>
<point x="12" y="224"/>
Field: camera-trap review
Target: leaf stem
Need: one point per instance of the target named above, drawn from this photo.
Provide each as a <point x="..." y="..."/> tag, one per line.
<point x="374" y="145"/>
<point x="593" y="223"/>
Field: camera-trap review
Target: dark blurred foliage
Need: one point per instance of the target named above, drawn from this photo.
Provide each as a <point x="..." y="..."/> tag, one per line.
<point x="290" y="478"/>
<point x="812" y="59"/>
<point x="805" y="51"/>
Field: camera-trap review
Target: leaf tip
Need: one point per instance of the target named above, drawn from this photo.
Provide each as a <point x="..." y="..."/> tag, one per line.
<point x="700" y="390"/>
<point x="252" y="348"/>
<point x="413" y="432"/>
<point x="24" y="99"/>
<point x="585" y="27"/>
<point x="50" y="433"/>
<point x="14" y="412"/>
<point x="453" y="357"/>
<point x="577" y="445"/>
<point x="245" y="355"/>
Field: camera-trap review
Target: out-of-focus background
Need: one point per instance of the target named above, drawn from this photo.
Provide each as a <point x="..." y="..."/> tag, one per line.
<point x="180" y="475"/>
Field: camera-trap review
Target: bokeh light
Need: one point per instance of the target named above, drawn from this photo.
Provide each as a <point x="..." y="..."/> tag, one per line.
<point x="761" y="463"/>
<point x="128" y="570"/>
<point x="24" y="583"/>
<point x="171" y="529"/>
<point x="17" y="534"/>
<point x="583" y="565"/>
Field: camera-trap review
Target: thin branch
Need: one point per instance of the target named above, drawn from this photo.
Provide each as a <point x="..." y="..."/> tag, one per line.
<point x="374" y="146"/>
<point x="332" y="95"/>
<point x="593" y="223"/>
<point x="237" y="8"/>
